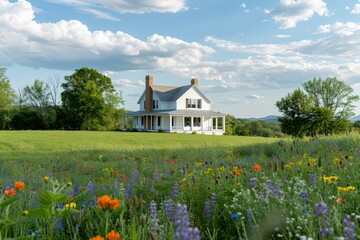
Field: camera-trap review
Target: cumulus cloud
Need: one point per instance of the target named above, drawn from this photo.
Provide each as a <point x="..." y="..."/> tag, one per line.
<point x="342" y="29"/>
<point x="128" y="6"/>
<point x="291" y="12"/>
<point x="128" y="83"/>
<point x="282" y="36"/>
<point x="254" y="96"/>
<point x="70" y="44"/>
<point x="356" y="9"/>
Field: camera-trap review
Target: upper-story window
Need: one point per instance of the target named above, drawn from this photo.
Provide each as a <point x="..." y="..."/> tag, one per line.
<point x="193" y="103"/>
<point x="155" y="104"/>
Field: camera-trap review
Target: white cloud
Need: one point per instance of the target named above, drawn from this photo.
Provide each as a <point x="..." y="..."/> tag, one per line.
<point x="128" y="6"/>
<point x="254" y="96"/>
<point x="243" y="5"/>
<point x="70" y="44"/>
<point x="291" y="12"/>
<point x="100" y="14"/>
<point x="128" y="83"/>
<point x="282" y="36"/>
<point x="342" y="29"/>
<point x="356" y="9"/>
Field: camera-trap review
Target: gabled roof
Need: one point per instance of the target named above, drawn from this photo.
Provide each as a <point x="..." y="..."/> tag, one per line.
<point x="172" y="93"/>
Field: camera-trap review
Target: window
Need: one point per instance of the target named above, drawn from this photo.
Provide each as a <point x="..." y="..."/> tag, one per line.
<point x="159" y="121"/>
<point x="144" y="104"/>
<point x="155" y="104"/>
<point x="197" y="122"/>
<point x="193" y="103"/>
<point x="172" y="121"/>
<point x="199" y="103"/>
<point x="188" y="104"/>
<point x="142" y="121"/>
<point x="187" y="121"/>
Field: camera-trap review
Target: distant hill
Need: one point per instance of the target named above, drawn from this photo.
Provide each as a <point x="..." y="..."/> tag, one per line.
<point x="270" y="118"/>
<point x="354" y="119"/>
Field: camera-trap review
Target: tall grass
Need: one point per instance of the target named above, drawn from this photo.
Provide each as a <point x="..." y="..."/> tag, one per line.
<point x="174" y="186"/>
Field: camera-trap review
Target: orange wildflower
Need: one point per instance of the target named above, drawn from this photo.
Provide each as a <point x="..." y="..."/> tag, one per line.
<point x="10" y="192"/>
<point x="113" y="235"/>
<point x="19" y="185"/>
<point x="105" y="202"/>
<point x="257" y="167"/>
<point x="237" y="171"/>
<point x="98" y="237"/>
<point x="340" y="200"/>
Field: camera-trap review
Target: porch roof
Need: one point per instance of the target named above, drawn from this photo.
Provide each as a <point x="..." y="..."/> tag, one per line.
<point x="188" y="113"/>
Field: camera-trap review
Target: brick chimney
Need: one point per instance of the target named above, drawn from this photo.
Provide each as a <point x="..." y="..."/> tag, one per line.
<point x="195" y="82"/>
<point x="149" y="93"/>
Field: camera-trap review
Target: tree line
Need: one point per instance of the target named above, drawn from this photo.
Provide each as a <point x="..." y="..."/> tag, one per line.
<point x="88" y="102"/>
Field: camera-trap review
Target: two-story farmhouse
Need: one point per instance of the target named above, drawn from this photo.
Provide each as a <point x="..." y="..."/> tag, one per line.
<point x="183" y="109"/>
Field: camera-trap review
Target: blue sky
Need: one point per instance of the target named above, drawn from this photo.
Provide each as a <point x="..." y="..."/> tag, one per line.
<point x="246" y="54"/>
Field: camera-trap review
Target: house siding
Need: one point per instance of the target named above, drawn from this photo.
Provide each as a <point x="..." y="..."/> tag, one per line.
<point x="192" y="94"/>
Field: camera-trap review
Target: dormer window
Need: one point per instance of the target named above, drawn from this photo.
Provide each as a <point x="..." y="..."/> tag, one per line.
<point x="193" y="103"/>
<point x="155" y="104"/>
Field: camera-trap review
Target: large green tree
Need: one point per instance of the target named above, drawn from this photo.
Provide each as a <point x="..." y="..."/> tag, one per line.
<point x="296" y="109"/>
<point x="86" y="98"/>
<point x="323" y="108"/>
<point x="7" y="98"/>
<point x="333" y="94"/>
<point x="7" y="94"/>
<point x="38" y="96"/>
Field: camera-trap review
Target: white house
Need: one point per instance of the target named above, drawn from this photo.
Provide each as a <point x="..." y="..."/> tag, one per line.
<point x="183" y="109"/>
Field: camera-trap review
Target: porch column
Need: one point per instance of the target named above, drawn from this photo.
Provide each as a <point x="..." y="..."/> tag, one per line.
<point x="216" y="123"/>
<point x="145" y="122"/>
<point x="183" y="122"/>
<point x="202" y="123"/>
<point x="151" y="122"/>
<point x="162" y="122"/>
<point x="170" y="128"/>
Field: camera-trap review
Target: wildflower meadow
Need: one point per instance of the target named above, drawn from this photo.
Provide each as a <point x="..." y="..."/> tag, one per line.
<point x="281" y="189"/>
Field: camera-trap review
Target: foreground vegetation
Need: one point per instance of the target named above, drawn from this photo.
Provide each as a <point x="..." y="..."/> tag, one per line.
<point x="174" y="186"/>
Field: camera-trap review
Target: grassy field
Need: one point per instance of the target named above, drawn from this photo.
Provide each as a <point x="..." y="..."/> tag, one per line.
<point x="60" y="141"/>
<point x="175" y="186"/>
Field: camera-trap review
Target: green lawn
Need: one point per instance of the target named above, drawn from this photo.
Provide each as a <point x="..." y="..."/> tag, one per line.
<point x="63" y="141"/>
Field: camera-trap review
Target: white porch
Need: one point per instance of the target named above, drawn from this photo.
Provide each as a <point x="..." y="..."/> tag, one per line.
<point x="193" y="122"/>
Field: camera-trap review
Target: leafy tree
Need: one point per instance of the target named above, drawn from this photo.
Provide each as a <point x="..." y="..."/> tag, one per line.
<point x="296" y="109"/>
<point x="7" y="98"/>
<point x="356" y="124"/>
<point x="230" y="125"/>
<point x="38" y="96"/>
<point x="86" y="99"/>
<point x="332" y="94"/>
<point x="7" y="94"/>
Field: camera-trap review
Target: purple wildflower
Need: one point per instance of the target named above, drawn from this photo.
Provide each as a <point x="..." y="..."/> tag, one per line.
<point x="207" y="209"/>
<point x="182" y="223"/>
<point x="253" y="182"/>
<point x="194" y="234"/>
<point x="273" y="190"/>
<point x="175" y="192"/>
<point x="305" y="196"/>
<point x="154" y="220"/>
<point x="312" y="179"/>
<point x="169" y="209"/>
<point x="349" y="229"/>
<point x="134" y="175"/>
<point x="321" y="209"/>
<point x="249" y="215"/>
